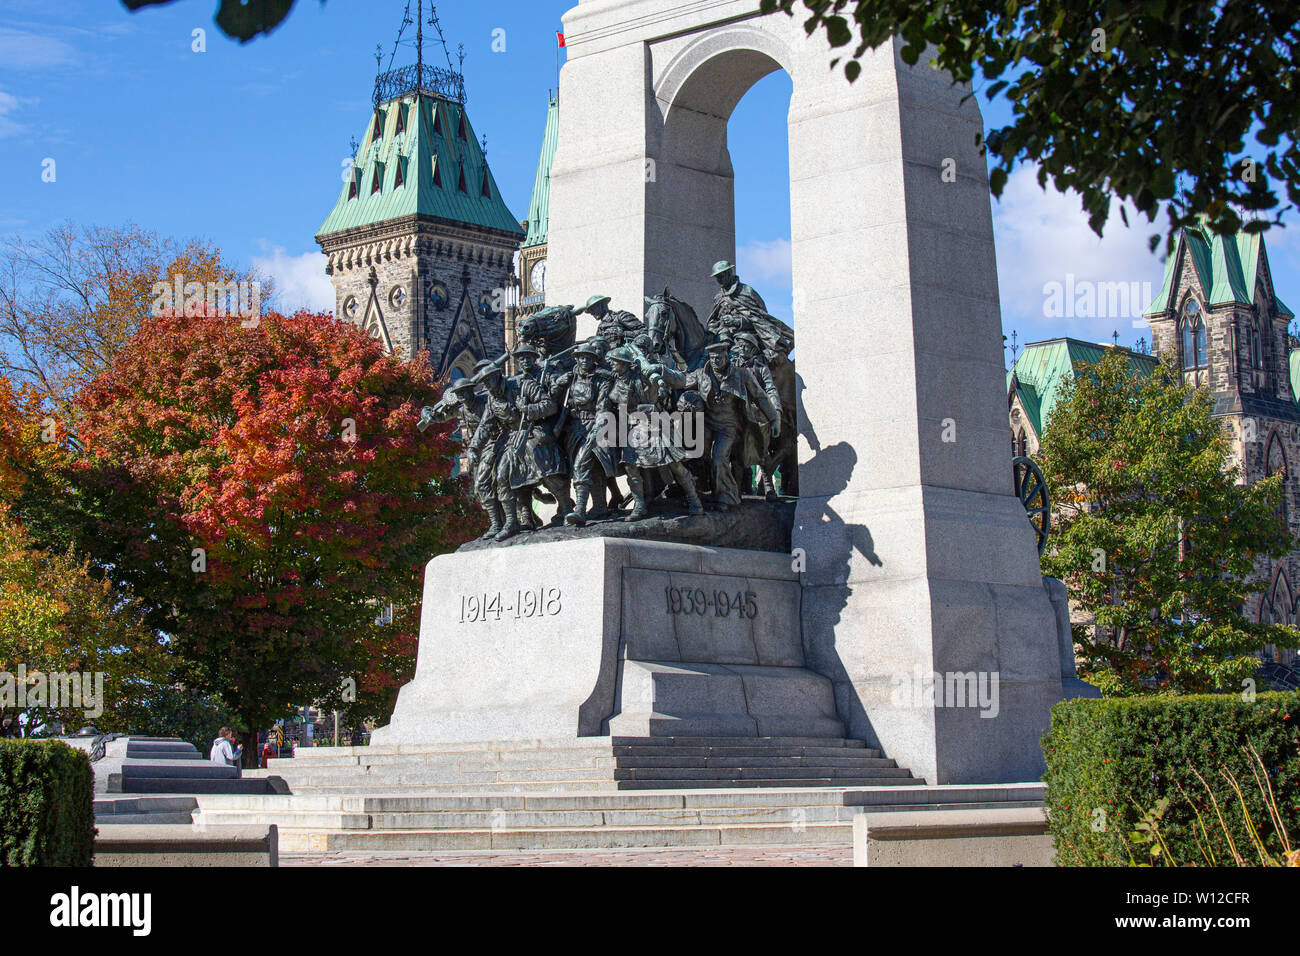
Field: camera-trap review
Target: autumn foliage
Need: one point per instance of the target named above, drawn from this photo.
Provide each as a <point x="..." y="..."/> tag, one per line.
<point x="266" y="492"/>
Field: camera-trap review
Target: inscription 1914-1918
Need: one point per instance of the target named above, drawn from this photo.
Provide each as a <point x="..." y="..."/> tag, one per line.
<point x="699" y="601"/>
<point x="534" y="602"/>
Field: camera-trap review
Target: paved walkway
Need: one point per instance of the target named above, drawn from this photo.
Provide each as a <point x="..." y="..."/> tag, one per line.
<point x="694" y="856"/>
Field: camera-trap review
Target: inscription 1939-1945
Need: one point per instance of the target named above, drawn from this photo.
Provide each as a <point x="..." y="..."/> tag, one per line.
<point x="700" y="602"/>
<point x="490" y="606"/>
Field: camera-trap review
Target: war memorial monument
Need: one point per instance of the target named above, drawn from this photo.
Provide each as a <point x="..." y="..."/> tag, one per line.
<point x="745" y="543"/>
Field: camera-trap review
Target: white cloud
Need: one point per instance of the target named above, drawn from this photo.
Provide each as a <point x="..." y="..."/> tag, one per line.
<point x="300" y="281"/>
<point x="24" y="50"/>
<point x="8" y="104"/>
<point x="1043" y="237"/>
<point x="765" y="263"/>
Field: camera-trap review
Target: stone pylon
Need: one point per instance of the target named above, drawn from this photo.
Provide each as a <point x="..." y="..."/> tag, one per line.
<point x="918" y="559"/>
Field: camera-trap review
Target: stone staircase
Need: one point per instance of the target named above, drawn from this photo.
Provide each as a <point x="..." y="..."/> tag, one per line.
<point x="603" y="792"/>
<point x="318" y="823"/>
<point x="591" y="764"/>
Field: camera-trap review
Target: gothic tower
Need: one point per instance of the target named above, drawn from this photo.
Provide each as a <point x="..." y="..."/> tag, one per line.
<point x="420" y="244"/>
<point x="530" y="288"/>
<point x="1218" y="314"/>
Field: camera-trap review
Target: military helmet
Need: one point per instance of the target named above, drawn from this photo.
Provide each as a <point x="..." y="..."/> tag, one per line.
<point x="621" y="354"/>
<point x="596" y="300"/>
<point x="722" y="266"/>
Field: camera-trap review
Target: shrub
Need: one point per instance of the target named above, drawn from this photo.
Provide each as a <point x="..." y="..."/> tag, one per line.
<point x="1110" y="761"/>
<point x="47" y="815"/>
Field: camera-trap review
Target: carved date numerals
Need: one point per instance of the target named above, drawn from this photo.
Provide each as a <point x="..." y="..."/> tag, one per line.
<point x="700" y="602"/>
<point x="490" y="606"/>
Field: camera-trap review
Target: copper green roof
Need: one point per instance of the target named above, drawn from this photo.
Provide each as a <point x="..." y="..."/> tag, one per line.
<point x="1227" y="267"/>
<point x="433" y="166"/>
<point x="540" y="207"/>
<point x="1039" y="370"/>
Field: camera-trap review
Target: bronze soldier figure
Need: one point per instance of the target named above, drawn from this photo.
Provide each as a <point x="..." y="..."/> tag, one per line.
<point x="512" y="450"/>
<point x="581" y="395"/>
<point x="614" y="326"/>
<point x="726" y="390"/>
<point x="638" y="403"/>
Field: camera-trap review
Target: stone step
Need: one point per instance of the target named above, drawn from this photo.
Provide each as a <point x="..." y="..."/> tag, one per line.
<point x="171" y="756"/>
<point x="135" y="744"/>
<point x="361" y="786"/>
<point x="750" y="761"/>
<point x="108" y="804"/>
<point x="379" y="779"/>
<point x="568" y="818"/>
<point x="620" y="756"/>
<point x="153" y="818"/>
<point x="307" y="840"/>
<point x="189" y="769"/>
<point x="175" y="784"/>
<point x="571" y="744"/>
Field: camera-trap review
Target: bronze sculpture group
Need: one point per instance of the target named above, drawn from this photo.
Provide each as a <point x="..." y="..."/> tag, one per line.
<point x="624" y="403"/>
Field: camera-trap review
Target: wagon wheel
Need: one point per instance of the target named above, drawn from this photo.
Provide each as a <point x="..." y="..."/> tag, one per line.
<point x="1031" y="489"/>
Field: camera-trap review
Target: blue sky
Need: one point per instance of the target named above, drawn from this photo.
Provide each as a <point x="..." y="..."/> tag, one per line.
<point x="243" y="145"/>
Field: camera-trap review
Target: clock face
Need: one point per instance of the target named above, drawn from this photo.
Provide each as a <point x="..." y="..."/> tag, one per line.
<point x="537" y="278"/>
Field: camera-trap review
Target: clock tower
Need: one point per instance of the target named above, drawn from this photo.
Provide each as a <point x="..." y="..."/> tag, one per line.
<point x="531" y="283"/>
<point x="420" y="244"/>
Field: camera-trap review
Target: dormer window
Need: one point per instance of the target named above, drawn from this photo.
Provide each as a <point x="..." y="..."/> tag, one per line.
<point x="354" y="183"/>
<point x="1193" y="333"/>
<point x="461" y="184"/>
<point x="462" y="131"/>
<point x="401" y="119"/>
<point x="378" y="131"/>
<point x="377" y="182"/>
<point x="486" y="189"/>
<point x="401" y="172"/>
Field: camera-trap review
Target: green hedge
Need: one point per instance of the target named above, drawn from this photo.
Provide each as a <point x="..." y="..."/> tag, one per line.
<point x="1123" y="755"/>
<point x="47" y="812"/>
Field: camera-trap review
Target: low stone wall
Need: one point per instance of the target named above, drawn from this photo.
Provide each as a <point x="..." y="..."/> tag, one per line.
<point x="1015" y="836"/>
<point x="187" y="845"/>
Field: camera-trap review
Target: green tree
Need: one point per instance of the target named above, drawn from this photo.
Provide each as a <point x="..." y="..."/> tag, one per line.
<point x="1151" y="101"/>
<point x="57" y="617"/>
<point x="1154" y="536"/>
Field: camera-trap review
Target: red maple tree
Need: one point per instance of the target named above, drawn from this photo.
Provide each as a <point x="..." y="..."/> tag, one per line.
<point x="267" y="495"/>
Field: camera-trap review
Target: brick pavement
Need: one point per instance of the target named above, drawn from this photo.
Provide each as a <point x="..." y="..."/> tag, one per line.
<point x="683" y="856"/>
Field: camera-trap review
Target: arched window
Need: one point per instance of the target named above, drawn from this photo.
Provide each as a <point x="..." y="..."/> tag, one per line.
<point x="1022" y="443"/>
<point x="1258" y="339"/>
<point x="1193" y="336"/>
<point x="1275" y="464"/>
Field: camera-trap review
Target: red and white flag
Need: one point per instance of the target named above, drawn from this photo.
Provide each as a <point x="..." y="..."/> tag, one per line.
<point x="559" y="38"/>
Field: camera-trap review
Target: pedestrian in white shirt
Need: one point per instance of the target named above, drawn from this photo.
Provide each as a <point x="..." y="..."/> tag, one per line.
<point x="224" y="752"/>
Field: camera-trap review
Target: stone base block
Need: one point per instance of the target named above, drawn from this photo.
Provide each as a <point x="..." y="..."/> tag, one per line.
<point x="599" y="636"/>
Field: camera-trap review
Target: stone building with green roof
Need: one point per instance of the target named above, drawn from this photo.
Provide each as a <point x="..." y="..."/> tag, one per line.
<point x="530" y="285"/>
<point x="420" y="244"/>
<point x="1218" y="316"/>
